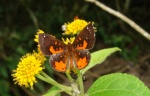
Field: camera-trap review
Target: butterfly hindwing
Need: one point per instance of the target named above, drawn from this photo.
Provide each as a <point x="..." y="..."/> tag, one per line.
<point x="59" y="62"/>
<point x="50" y="45"/>
<point x="82" y="58"/>
<point x="86" y="38"/>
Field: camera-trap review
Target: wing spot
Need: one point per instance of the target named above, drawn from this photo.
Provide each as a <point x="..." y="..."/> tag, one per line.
<point x="60" y="66"/>
<point x="79" y="66"/>
<point x="55" y="43"/>
<point x="79" y="53"/>
<point x="54" y="51"/>
<point x="80" y="38"/>
<point x="84" y="45"/>
<point x="61" y="56"/>
<point x="59" y="44"/>
<point x="82" y="62"/>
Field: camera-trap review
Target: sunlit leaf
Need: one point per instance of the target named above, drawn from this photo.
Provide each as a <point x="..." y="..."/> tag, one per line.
<point x="118" y="85"/>
<point x="98" y="57"/>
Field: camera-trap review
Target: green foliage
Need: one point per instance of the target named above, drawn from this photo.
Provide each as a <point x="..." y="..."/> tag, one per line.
<point x="21" y="19"/>
<point x="123" y="41"/>
<point x="54" y="91"/>
<point x="98" y="57"/>
<point x="4" y="86"/>
<point x="118" y="84"/>
<point x="129" y="52"/>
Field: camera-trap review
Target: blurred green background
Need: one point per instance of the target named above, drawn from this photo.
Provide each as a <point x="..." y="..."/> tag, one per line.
<point x="20" y="20"/>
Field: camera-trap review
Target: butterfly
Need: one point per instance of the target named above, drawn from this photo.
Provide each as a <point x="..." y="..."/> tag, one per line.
<point x="63" y="56"/>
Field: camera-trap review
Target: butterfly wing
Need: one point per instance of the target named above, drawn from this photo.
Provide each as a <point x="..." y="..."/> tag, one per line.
<point x="84" y="41"/>
<point x="59" y="62"/>
<point x="82" y="58"/>
<point x="86" y="38"/>
<point x="50" y="45"/>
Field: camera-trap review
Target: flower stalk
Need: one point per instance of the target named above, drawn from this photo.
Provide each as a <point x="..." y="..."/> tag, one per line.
<point x="80" y="82"/>
<point x="54" y="83"/>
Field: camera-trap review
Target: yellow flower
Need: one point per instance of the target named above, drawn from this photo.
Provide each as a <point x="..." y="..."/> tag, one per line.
<point x="36" y="39"/>
<point x="29" y="66"/>
<point x="68" y="40"/>
<point x="74" y="27"/>
<point x="36" y="36"/>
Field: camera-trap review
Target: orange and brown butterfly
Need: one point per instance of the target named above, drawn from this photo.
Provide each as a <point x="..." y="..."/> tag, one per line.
<point x="63" y="56"/>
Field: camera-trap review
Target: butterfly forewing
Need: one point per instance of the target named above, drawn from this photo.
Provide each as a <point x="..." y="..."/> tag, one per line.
<point x="86" y="38"/>
<point x="50" y="45"/>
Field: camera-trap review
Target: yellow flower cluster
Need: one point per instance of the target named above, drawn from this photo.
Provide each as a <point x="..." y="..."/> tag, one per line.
<point x="36" y="36"/>
<point x="28" y="67"/>
<point x="70" y="40"/>
<point x="74" y="27"/>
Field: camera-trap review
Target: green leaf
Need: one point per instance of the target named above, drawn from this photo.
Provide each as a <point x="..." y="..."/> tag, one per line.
<point x="99" y="56"/>
<point x="54" y="91"/>
<point x="118" y="84"/>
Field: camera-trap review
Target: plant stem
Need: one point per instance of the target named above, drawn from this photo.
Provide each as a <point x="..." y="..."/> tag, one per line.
<point x="54" y="83"/>
<point x="44" y="74"/>
<point x="69" y="77"/>
<point x="80" y="82"/>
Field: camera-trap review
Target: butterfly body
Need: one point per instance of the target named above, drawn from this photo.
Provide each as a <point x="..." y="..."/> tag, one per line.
<point x="70" y="56"/>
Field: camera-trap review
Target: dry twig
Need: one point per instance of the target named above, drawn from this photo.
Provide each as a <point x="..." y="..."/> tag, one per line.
<point x="122" y="17"/>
